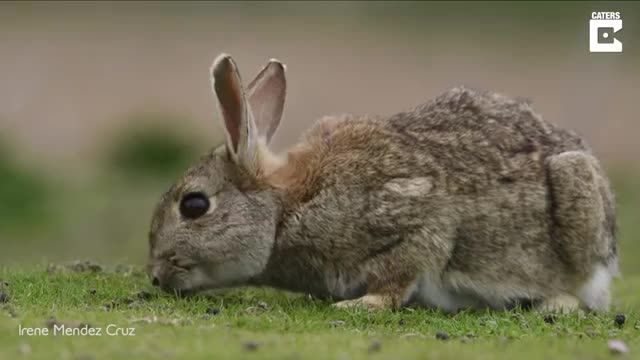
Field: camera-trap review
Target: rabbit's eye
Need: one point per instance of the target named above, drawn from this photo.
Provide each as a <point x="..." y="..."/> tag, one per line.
<point x="194" y="205"/>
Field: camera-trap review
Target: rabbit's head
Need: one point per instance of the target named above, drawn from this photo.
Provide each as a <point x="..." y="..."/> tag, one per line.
<point x="215" y="227"/>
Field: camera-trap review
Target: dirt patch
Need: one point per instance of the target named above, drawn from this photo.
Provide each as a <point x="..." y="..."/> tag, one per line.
<point x="75" y="266"/>
<point x="131" y="301"/>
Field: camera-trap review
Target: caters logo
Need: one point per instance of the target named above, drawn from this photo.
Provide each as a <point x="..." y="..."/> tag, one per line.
<point x="603" y="27"/>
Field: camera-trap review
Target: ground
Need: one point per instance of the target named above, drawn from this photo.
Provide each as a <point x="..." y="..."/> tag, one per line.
<point x="268" y="324"/>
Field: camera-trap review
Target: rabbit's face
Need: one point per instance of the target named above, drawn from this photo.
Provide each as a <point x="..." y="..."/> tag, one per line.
<point x="209" y="230"/>
<point x="216" y="226"/>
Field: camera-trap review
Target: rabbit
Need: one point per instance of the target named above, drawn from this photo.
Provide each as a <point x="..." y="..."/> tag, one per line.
<point x="468" y="201"/>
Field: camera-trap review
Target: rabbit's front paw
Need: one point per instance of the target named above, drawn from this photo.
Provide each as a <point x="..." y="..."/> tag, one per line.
<point x="371" y="302"/>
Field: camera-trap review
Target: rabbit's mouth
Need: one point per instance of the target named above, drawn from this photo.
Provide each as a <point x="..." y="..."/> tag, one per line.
<point x="179" y="280"/>
<point x="188" y="280"/>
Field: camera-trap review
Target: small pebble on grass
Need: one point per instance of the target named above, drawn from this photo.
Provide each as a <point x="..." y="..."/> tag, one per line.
<point x="620" y="319"/>
<point x="375" y="347"/>
<point x="145" y="295"/>
<point x="336" y="323"/>
<point x="250" y="346"/>
<point x="110" y="305"/>
<point x="442" y="335"/>
<point x="550" y="319"/>
<point x="127" y="300"/>
<point x="213" y="311"/>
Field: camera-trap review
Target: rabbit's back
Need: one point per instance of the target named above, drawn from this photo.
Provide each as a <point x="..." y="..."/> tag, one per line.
<point x="482" y="136"/>
<point x="465" y="141"/>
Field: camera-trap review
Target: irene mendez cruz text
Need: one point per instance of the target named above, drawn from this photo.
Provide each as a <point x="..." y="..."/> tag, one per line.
<point x="83" y="330"/>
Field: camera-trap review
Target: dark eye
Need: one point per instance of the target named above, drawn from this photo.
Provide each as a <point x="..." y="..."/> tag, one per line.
<point x="194" y="205"/>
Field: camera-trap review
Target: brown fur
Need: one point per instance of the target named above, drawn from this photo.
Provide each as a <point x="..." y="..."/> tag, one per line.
<point x="471" y="192"/>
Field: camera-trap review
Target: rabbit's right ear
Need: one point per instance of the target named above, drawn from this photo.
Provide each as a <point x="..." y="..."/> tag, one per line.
<point x="266" y="94"/>
<point x="241" y="132"/>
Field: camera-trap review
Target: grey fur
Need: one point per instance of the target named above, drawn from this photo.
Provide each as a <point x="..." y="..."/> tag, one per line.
<point x="471" y="192"/>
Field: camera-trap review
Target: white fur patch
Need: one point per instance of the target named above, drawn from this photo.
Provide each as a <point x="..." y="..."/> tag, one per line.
<point x="594" y="293"/>
<point x="410" y="186"/>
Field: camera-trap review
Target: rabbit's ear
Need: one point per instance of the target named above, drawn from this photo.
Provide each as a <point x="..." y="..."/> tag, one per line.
<point x="241" y="131"/>
<point x="266" y="94"/>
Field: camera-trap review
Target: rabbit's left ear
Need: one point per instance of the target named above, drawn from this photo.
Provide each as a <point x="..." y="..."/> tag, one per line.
<point x="241" y="134"/>
<point x="266" y="94"/>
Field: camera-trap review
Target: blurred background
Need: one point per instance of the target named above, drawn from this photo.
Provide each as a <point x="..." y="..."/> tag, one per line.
<point x="103" y="104"/>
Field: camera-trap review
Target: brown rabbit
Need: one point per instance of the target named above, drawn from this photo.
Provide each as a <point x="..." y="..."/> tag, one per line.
<point x="470" y="200"/>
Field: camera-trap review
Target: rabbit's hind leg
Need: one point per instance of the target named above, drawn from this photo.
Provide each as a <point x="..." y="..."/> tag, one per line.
<point x="560" y="304"/>
<point x="582" y="214"/>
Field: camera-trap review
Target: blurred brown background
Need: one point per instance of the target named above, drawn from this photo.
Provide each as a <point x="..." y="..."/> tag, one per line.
<point x="102" y="104"/>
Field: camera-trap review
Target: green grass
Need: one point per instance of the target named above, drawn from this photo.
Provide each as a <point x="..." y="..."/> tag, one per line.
<point x="266" y="324"/>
